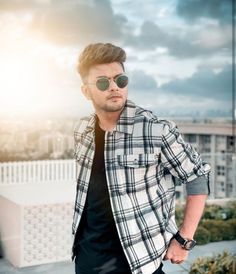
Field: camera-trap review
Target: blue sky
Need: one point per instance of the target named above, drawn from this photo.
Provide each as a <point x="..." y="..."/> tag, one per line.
<point x="179" y="54"/>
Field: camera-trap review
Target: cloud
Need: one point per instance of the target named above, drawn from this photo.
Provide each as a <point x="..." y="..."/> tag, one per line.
<point x="149" y="37"/>
<point x="140" y="81"/>
<point x="23" y="5"/>
<point x="152" y="42"/>
<point x="71" y="22"/>
<point x="205" y="93"/>
<point x="203" y="84"/>
<point x="186" y="39"/>
<point x="211" y="39"/>
<point x="78" y="22"/>
<point x="192" y="10"/>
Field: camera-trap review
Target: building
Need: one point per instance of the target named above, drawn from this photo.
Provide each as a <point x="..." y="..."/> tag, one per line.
<point x="214" y="141"/>
<point x="55" y="144"/>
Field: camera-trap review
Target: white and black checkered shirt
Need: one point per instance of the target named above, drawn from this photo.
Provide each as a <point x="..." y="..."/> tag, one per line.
<point x="143" y="156"/>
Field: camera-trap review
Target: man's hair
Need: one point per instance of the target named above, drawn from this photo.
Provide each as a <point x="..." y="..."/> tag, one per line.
<point x="99" y="53"/>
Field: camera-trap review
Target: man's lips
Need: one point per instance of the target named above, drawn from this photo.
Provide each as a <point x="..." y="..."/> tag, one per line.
<point x="114" y="97"/>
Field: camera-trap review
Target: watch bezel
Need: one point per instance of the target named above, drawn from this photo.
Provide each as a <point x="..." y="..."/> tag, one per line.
<point x="187" y="244"/>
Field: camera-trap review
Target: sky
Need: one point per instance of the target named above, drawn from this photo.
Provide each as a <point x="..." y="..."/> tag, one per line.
<point x="179" y="54"/>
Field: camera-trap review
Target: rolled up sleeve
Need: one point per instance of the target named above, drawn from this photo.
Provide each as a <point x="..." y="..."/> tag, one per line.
<point x="183" y="161"/>
<point x="198" y="186"/>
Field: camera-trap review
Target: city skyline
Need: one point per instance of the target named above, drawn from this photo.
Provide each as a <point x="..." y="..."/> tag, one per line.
<point x="179" y="53"/>
<point x="34" y="139"/>
<point x="40" y="145"/>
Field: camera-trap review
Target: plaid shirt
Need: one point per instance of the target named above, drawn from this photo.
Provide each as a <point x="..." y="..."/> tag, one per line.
<point x="143" y="155"/>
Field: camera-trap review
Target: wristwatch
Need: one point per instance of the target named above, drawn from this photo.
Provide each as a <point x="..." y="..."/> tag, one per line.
<point x="185" y="243"/>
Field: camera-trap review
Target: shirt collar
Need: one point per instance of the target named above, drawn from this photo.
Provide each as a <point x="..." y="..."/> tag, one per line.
<point x="125" y="123"/>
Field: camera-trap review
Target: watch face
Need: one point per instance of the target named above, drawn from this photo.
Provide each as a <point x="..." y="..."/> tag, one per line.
<point x="190" y="244"/>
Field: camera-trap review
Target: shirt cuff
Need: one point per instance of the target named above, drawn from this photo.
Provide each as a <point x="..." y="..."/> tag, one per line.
<point x="198" y="186"/>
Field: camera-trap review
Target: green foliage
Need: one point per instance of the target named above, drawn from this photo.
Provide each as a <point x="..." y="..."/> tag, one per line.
<point x="179" y="215"/>
<point x="211" y="212"/>
<point x="232" y="224"/>
<point x="219" y="264"/>
<point x="217" y="212"/>
<point x="218" y="223"/>
<point x="202" y="236"/>
<point x="220" y="230"/>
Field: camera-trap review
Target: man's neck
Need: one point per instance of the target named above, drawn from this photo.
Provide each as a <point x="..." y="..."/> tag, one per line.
<point x="108" y="121"/>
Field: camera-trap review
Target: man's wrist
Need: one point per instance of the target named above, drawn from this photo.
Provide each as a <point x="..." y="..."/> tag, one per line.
<point x="186" y="232"/>
<point x="185" y="243"/>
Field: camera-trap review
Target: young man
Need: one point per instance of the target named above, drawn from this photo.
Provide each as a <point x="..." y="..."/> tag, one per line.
<point x="128" y="163"/>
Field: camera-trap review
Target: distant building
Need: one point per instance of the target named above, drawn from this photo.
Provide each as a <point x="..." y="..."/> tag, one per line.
<point x="214" y="141"/>
<point x="45" y="145"/>
<point x="55" y="143"/>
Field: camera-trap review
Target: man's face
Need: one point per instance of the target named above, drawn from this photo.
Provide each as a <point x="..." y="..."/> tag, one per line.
<point x="111" y="100"/>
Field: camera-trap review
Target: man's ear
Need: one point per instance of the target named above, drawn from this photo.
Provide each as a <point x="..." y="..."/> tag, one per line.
<point x="86" y="91"/>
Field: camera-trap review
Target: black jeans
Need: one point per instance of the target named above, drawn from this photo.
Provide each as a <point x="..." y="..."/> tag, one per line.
<point x="158" y="271"/>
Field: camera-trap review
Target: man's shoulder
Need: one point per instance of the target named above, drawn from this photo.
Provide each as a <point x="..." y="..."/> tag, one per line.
<point x="149" y="117"/>
<point x="145" y="114"/>
<point x="83" y="124"/>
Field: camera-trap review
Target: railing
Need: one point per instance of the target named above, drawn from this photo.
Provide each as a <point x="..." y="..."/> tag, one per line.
<point x="14" y="173"/>
<point x="222" y="179"/>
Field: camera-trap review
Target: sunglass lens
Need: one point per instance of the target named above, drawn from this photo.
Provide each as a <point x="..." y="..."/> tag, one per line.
<point x="122" y="81"/>
<point x="102" y="84"/>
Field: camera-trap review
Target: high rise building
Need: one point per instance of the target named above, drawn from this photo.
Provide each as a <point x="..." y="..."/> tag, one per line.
<point x="215" y="142"/>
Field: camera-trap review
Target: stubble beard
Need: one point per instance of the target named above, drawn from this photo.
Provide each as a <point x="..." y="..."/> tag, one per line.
<point x="110" y="105"/>
<point x="113" y="106"/>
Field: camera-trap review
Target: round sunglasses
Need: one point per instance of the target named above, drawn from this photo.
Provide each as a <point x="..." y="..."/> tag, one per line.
<point x="103" y="83"/>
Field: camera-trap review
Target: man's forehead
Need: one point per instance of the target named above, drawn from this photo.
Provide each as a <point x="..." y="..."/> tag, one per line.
<point x="109" y="69"/>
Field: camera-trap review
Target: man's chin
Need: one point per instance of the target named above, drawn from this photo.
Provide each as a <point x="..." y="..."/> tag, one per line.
<point x="114" y="107"/>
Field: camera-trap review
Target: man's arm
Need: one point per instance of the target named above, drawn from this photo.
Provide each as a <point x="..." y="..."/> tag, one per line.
<point x="183" y="162"/>
<point x="193" y="211"/>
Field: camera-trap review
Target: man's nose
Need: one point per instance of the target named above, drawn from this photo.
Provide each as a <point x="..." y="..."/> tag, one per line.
<point x="113" y="86"/>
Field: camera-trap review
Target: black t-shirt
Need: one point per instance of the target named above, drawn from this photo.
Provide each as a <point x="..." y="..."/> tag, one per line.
<point x="97" y="245"/>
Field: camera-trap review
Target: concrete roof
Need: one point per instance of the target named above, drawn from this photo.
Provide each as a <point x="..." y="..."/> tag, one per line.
<point x="206" y="128"/>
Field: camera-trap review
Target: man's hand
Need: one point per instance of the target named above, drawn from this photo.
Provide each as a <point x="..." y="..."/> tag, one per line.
<point x="175" y="253"/>
<point x="193" y="212"/>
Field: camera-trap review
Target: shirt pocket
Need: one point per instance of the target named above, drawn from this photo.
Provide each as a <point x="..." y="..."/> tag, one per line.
<point x="135" y="172"/>
<point x="137" y="160"/>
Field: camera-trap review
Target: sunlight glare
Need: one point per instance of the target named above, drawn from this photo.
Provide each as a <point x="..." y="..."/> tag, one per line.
<point x="17" y="83"/>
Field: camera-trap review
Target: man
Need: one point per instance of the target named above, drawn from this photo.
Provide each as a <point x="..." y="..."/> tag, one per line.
<point x="128" y="163"/>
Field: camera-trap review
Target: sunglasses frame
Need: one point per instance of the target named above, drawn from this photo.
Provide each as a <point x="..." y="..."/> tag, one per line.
<point x="108" y="82"/>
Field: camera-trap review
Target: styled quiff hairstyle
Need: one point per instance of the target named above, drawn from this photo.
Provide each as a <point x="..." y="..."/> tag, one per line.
<point x="99" y="53"/>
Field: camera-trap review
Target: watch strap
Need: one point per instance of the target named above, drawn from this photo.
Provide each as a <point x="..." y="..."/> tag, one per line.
<point x="185" y="243"/>
<point x="180" y="239"/>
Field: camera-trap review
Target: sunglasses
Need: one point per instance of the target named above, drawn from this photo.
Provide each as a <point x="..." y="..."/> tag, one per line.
<point x="103" y="83"/>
